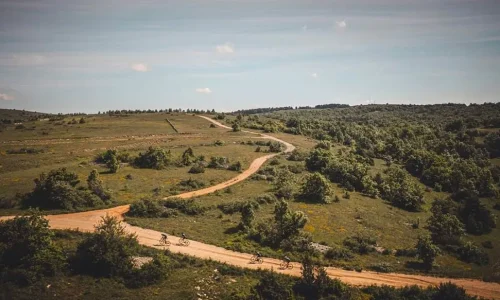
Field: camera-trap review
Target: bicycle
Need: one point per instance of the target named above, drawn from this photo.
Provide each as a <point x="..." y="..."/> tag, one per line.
<point x="256" y="260"/>
<point x="184" y="242"/>
<point x="286" y="265"/>
<point x="163" y="241"/>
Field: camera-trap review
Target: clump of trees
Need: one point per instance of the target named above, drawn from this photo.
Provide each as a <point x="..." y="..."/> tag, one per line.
<point x="284" y="230"/>
<point x="154" y="158"/>
<point x="27" y="251"/>
<point x="316" y="189"/>
<point x="109" y="251"/>
<point x="58" y="190"/>
<point x="400" y="189"/>
<point x="426" y="251"/>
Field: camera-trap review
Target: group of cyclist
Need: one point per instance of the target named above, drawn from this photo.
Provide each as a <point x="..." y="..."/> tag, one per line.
<point x="182" y="241"/>
<point x="286" y="264"/>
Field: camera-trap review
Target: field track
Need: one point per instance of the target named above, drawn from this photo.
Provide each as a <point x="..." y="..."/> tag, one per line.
<point x="85" y="221"/>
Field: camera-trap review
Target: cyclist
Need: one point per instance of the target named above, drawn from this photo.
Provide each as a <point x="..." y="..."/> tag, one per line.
<point x="184" y="236"/>
<point x="164" y="236"/>
<point x="258" y="254"/>
<point x="287" y="260"/>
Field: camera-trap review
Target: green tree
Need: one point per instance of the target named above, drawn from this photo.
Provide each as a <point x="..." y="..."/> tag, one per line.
<point x="236" y="127"/>
<point x="187" y="157"/>
<point x="247" y="215"/>
<point x="154" y="158"/>
<point x="57" y="189"/>
<point x="108" y="252"/>
<point x="400" y="189"/>
<point x="26" y="244"/>
<point x="426" y="251"/>
<point x="273" y="286"/>
<point x="288" y="223"/>
<point x="316" y="189"/>
<point x="284" y="183"/>
<point x="113" y="164"/>
<point x="95" y="185"/>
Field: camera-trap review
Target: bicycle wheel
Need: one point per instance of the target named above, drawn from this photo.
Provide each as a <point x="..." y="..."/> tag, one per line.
<point x="283" y="265"/>
<point x="253" y="259"/>
<point x="260" y="260"/>
<point x="187" y="242"/>
<point x="290" y="266"/>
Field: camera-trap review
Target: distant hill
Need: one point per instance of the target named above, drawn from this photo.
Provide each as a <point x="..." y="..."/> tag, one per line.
<point x="16" y="115"/>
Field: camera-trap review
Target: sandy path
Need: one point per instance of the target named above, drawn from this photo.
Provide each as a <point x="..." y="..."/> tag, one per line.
<point x="85" y="221"/>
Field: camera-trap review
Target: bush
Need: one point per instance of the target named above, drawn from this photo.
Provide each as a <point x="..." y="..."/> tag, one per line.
<point x="218" y="162"/>
<point x="188" y="207"/>
<point x="297" y="155"/>
<point x="7" y="202"/>
<point x="382" y="267"/>
<point x="274" y="162"/>
<point x="146" y="208"/>
<point x="399" y="189"/>
<point x="192" y="184"/>
<point x="473" y="254"/>
<point x="316" y="189"/>
<point x="296" y="169"/>
<point x="426" y="251"/>
<point x="487" y="244"/>
<point x="25" y="151"/>
<point x="360" y="244"/>
<point x="149" y="273"/>
<point x="219" y="143"/>
<point x="266" y="199"/>
<point x="154" y="158"/>
<point x="235" y="167"/>
<point x="108" y="252"/>
<point x="276" y="147"/>
<point x="27" y="251"/>
<point x="197" y="169"/>
<point x="57" y="190"/>
<point x="338" y="253"/>
<point x="412" y="252"/>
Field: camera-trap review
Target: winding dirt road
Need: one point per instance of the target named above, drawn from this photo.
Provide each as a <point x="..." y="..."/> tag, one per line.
<point x="85" y="221"/>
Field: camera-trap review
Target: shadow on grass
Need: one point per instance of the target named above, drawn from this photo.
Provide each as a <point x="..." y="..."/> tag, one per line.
<point x="417" y="265"/>
<point x="233" y="230"/>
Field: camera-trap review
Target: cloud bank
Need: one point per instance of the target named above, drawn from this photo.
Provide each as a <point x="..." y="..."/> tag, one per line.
<point x="226" y="48"/>
<point x="140" y="67"/>
<point x="203" y="90"/>
<point x="6" y="97"/>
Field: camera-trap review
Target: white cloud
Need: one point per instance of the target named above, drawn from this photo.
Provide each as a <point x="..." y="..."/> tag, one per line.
<point x="304" y="28"/>
<point x="226" y="48"/>
<point x="314" y="75"/>
<point x="203" y="90"/>
<point x="140" y="67"/>
<point x="341" y="24"/>
<point x="6" y="97"/>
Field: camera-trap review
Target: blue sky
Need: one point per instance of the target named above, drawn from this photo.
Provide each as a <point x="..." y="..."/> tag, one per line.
<point x="86" y="56"/>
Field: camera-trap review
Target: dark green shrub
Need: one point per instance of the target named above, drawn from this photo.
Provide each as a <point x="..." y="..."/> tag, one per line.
<point x="197" y="169"/>
<point x="27" y="251"/>
<point x="235" y="167"/>
<point x="149" y="273"/>
<point x="188" y="207"/>
<point x="473" y="254"/>
<point x="382" y="267"/>
<point x="338" y="253"/>
<point x="154" y="158"/>
<point x="106" y="253"/>
<point x="360" y="244"/>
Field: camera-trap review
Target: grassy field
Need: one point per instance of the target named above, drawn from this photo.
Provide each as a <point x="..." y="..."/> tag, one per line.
<point x="77" y="146"/>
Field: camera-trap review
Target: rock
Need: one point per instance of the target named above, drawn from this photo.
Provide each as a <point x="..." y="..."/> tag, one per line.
<point x="197" y="288"/>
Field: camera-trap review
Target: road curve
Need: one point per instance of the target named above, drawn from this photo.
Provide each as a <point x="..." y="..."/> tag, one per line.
<point x="85" y="221"/>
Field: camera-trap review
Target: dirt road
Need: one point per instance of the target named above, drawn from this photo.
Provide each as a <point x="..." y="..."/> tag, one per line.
<point x="85" y="221"/>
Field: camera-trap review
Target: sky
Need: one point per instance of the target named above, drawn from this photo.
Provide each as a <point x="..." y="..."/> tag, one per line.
<point x="89" y="56"/>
